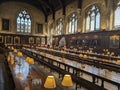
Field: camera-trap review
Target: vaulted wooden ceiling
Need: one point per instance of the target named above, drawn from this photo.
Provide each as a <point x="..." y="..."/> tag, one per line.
<point x="47" y="6"/>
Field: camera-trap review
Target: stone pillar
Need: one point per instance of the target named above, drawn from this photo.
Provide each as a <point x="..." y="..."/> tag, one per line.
<point x="79" y="20"/>
<point x="46" y="29"/>
<point x="0" y="24"/>
<point x="64" y="25"/>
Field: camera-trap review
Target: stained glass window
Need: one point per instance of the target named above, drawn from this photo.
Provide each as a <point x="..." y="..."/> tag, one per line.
<point x="59" y="27"/>
<point x="93" y="19"/>
<point x="117" y="16"/>
<point x="23" y="22"/>
<point x="72" y="23"/>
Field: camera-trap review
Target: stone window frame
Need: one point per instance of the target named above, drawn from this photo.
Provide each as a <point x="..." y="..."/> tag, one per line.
<point x="27" y="16"/>
<point x="74" y="23"/>
<point x="59" y="26"/>
<point x="116" y="6"/>
<point x="88" y="14"/>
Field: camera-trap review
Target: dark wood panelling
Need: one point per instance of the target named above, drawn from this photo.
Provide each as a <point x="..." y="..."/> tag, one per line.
<point x="24" y="39"/>
<point x="97" y="40"/>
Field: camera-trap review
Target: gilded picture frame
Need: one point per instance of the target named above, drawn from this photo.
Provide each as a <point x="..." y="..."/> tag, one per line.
<point x="42" y="41"/>
<point x="31" y="40"/>
<point x="8" y="40"/>
<point x="114" y="41"/>
<point x="16" y="40"/>
<point x="38" y="40"/>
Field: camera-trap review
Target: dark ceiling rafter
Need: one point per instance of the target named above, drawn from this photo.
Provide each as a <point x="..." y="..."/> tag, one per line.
<point x="46" y="4"/>
<point x="62" y="6"/>
<point x="63" y="10"/>
<point x="53" y="12"/>
<point x="50" y="7"/>
<point x="80" y="4"/>
<point x="43" y="10"/>
<point x="34" y="3"/>
<point x="40" y="7"/>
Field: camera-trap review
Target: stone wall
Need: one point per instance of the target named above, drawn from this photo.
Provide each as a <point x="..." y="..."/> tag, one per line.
<point x="106" y="9"/>
<point x="10" y="10"/>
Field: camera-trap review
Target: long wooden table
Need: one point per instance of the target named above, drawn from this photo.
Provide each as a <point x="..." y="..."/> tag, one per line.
<point x="98" y="62"/>
<point x="94" y="54"/>
<point x="94" y="72"/>
<point x="6" y="79"/>
<point x="31" y="75"/>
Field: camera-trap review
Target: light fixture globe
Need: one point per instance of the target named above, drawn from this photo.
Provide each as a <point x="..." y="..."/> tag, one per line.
<point x="19" y="54"/>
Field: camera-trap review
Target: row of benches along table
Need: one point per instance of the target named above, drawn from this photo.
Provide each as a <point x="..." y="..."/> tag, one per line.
<point x="6" y="78"/>
<point x="50" y="62"/>
<point x="91" y="61"/>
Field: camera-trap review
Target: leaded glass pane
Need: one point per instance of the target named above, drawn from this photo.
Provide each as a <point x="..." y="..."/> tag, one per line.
<point x="73" y="27"/>
<point x="93" y="19"/>
<point x="98" y="21"/>
<point x="117" y="17"/>
<point x="72" y="24"/>
<point x="87" y="23"/>
<point x="70" y="27"/>
<point x="93" y="8"/>
<point x="23" y="22"/>
<point x="59" y="26"/>
<point x="92" y="25"/>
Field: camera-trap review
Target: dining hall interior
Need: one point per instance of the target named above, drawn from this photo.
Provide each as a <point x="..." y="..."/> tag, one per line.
<point x="59" y="44"/>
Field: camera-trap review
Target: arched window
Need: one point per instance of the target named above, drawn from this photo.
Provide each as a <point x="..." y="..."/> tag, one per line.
<point x="72" y="23"/>
<point x="59" y="27"/>
<point x="117" y="16"/>
<point x="93" y="19"/>
<point x="24" y="22"/>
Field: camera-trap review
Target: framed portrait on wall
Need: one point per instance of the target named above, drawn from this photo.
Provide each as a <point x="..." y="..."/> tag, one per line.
<point x="1" y="39"/>
<point x="40" y="28"/>
<point x="16" y="40"/>
<point x="37" y="40"/>
<point x="8" y="39"/>
<point x="114" y="41"/>
<point x="5" y="24"/>
<point x="42" y="41"/>
<point x="31" y="40"/>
